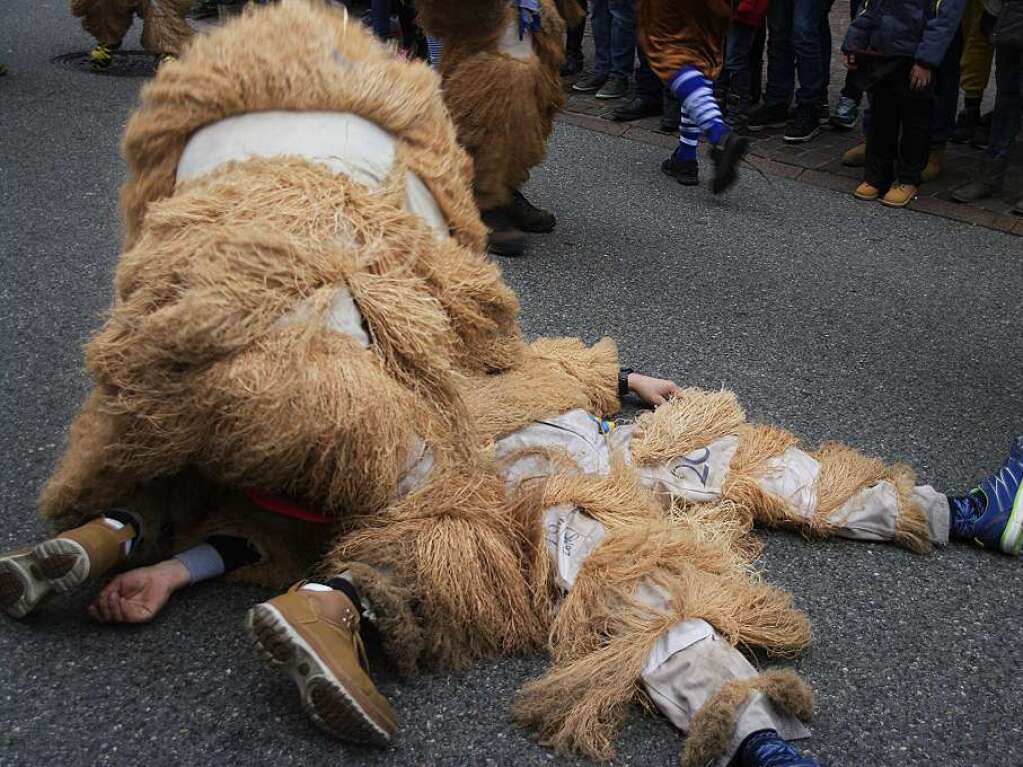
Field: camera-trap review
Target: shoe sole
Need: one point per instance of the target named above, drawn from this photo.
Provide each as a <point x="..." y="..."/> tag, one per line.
<point x="333" y="703"/>
<point x="609" y="97"/>
<point x="867" y="198"/>
<point x="27" y="578"/>
<point x="1011" y="541"/>
<point x="767" y="126"/>
<point x="897" y="204"/>
<point x="801" y="139"/>
<point x="681" y="180"/>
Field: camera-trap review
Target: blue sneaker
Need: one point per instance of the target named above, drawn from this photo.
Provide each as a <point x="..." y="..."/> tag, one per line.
<point x="767" y="749"/>
<point x="992" y="514"/>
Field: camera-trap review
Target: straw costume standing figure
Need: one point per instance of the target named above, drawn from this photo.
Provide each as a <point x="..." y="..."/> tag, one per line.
<point x="165" y="32"/>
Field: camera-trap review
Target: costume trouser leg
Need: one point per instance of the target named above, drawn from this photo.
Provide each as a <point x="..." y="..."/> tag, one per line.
<point x="106" y="20"/>
<point x="690" y="666"/>
<point x="832" y="492"/>
<point x="164" y="29"/>
<point x="700" y="111"/>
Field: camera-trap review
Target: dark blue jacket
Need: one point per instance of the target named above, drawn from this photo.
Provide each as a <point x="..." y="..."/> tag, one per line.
<point x="917" y="29"/>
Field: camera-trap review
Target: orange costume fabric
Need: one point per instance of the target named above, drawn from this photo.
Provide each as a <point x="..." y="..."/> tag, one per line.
<point x="678" y="33"/>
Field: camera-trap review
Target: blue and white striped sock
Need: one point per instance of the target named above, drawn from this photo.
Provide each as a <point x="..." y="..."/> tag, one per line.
<point x="698" y="105"/>
<point x="434" y="49"/>
<point x="688" y="140"/>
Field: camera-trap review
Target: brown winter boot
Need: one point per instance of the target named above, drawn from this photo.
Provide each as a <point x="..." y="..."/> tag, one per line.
<point x="61" y="564"/>
<point x="900" y="195"/>
<point x="935" y="162"/>
<point x="855" y="157"/>
<point x="314" y="637"/>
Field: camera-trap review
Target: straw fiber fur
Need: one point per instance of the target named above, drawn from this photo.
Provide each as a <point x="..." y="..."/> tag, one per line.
<point x="712" y="727"/>
<point x="199" y="365"/>
<point x="331" y="65"/>
<point x="164" y="28"/>
<point x="554" y="375"/>
<point x="503" y="107"/>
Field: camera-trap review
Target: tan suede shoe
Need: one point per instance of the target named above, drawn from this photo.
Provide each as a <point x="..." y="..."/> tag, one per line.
<point x="900" y="195"/>
<point x="866" y="191"/>
<point x="314" y="637"/>
<point x="29" y="575"/>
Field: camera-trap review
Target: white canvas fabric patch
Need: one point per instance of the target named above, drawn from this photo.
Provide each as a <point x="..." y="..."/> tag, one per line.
<point x="571" y="537"/>
<point x="792" y="476"/>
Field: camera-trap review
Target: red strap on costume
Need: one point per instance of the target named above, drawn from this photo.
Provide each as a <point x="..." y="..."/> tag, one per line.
<point x="278" y="504"/>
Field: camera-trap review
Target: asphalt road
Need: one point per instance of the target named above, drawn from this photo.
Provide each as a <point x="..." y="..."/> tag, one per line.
<point x="894" y="331"/>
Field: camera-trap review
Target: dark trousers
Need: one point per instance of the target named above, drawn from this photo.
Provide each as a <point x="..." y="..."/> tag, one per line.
<point x="1008" y="114"/>
<point x="574" y="37"/>
<point x="851" y="89"/>
<point x="648" y="85"/>
<point x="899" y="137"/>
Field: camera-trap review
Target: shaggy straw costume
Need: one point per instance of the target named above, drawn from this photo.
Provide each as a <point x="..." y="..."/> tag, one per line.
<point x="502" y="92"/>
<point x="280" y="322"/>
<point x="164" y="29"/>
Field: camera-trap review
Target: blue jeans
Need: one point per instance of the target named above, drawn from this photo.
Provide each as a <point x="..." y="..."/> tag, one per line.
<point x="614" y="36"/>
<point x="799" y="42"/>
<point x="1005" y="121"/>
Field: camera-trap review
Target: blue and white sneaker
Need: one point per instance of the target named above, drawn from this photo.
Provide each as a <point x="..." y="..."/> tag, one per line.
<point x="992" y="514"/>
<point x="766" y="748"/>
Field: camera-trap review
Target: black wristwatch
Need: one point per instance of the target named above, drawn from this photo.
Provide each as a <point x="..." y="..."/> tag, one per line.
<point x="623" y="381"/>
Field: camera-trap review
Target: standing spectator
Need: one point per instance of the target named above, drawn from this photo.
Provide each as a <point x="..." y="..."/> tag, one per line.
<point x="747" y="22"/>
<point x="650" y="97"/>
<point x="574" y="46"/>
<point x="896" y="46"/>
<point x="847" y="110"/>
<point x="614" y="36"/>
<point x="795" y="44"/>
<point x="1005" y="121"/>
<point x="976" y="71"/>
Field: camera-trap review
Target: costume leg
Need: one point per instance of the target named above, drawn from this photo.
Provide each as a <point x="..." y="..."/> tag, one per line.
<point x="106" y="20"/>
<point x="694" y="676"/>
<point x="164" y="29"/>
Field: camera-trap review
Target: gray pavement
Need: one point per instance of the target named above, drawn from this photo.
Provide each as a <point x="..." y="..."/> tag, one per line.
<point x="896" y="332"/>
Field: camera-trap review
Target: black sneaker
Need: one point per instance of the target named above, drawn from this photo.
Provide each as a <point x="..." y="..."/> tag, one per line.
<point x="726" y="156"/>
<point x="768" y="116"/>
<point x="590" y="83"/>
<point x="803" y="127"/>
<point x="685" y="172"/>
<point x="637" y="109"/>
<point x="615" y="87"/>
<point x="526" y="217"/>
<point x="505" y="239"/>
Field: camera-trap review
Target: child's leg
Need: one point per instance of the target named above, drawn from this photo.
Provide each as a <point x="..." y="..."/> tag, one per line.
<point x="882" y="135"/>
<point x="696" y="93"/>
<point x="914" y="108"/>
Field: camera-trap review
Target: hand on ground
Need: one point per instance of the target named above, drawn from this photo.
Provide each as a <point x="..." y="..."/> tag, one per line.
<point x="653" y="391"/>
<point x="138" y="595"/>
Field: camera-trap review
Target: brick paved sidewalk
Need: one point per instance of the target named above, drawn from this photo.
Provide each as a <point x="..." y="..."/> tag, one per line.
<point x="818" y="162"/>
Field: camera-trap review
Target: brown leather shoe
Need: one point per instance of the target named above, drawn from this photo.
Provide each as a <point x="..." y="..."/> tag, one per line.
<point x="29" y="575"/>
<point x="314" y="637"/>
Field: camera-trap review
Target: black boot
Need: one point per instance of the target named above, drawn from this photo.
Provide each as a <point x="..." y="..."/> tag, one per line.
<point x="737" y="107"/>
<point x="685" y="172"/>
<point x="573" y="51"/>
<point x="505" y="239"/>
<point x="726" y="156"/>
<point x="526" y="217"/>
<point x="966" y="123"/>
<point x="640" y="107"/>
<point x="990" y="181"/>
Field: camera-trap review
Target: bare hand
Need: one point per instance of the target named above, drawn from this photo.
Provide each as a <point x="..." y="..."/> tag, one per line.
<point x="137" y="596"/>
<point x="653" y="391"/>
<point x="850" y="61"/>
<point x="919" y="77"/>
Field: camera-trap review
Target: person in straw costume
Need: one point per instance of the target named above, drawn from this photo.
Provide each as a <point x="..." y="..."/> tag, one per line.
<point x="311" y="372"/>
<point x="165" y="32"/>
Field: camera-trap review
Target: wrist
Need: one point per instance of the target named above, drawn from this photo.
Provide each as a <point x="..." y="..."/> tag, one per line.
<point x="174" y="573"/>
<point x="625" y="381"/>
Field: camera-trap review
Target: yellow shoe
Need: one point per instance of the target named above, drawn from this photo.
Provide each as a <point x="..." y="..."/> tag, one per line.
<point x="935" y="161"/>
<point x="166" y="58"/>
<point x="867" y="192"/>
<point x="855" y="157"/>
<point x="102" y="56"/>
<point x="900" y="195"/>
<point x="61" y="564"/>
<point x="314" y="636"/>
